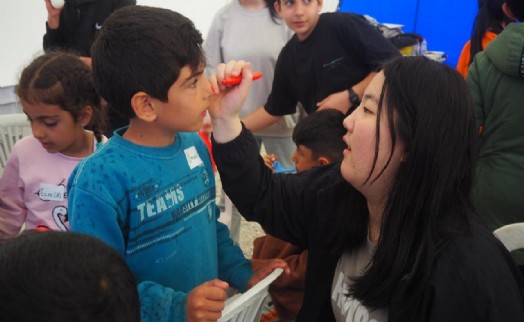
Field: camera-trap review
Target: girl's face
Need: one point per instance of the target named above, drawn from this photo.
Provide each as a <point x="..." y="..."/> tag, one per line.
<point x="361" y="141"/>
<point x="301" y="16"/>
<point x="56" y="129"/>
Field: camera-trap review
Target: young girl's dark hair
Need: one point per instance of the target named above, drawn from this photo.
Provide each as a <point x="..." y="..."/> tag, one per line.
<point x="62" y="79"/>
<point x="490" y="17"/>
<point x="69" y="277"/>
<point x="429" y="109"/>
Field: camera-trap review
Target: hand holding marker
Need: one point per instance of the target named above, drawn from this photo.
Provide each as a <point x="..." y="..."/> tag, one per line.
<point x="235" y="80"/>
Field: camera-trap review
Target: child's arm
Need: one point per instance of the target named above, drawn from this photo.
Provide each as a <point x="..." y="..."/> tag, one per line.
<point x="267" y="268"/>
<point x="260" y="119"/>
<point x="93" y="215"/>
<point x="53" y="15"/>
<point x="163" y="304"/>
<point x="266" y="248"/>
<point x="12" y="209"/>
<point x="340" y="100"/>
<point x="233" y="267"/>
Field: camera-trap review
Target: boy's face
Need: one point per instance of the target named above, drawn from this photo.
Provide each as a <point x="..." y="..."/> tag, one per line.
<point x="188" y="100"/>
<point x="301" y="16"/>
<point x="304" y="159"/>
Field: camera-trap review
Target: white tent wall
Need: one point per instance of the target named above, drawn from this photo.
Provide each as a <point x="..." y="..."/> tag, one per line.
<point x="22" y="26"/>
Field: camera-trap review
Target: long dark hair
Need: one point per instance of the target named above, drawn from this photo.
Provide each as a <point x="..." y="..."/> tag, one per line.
<point x="62" y="79"/>
<point x="430" y="110"/>
<point x="490" y="17"/>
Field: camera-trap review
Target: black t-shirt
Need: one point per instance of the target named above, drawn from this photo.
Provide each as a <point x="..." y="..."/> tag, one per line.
<point x="80" y="21"/>
<point x="341" y="51"/>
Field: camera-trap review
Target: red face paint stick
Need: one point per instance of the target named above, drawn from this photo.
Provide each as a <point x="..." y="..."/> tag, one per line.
<point x="235" y="80"/>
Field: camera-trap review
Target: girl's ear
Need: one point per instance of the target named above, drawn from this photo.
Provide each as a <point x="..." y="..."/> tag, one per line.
<point x="85" y="116"/>
<point x="143" y="106"/>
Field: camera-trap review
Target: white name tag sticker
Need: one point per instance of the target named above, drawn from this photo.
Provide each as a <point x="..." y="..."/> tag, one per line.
<point x="193" y="159"/>
<point x="50" y="192"/>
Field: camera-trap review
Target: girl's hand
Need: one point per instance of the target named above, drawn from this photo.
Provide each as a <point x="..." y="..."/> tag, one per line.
<point x="226" y="101"/>
<point x="267" y="269"/>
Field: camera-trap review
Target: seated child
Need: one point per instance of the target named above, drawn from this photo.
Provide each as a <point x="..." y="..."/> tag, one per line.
<point x="318" y="138"/>
<point x="150" y="191"/>
<point x="61" y="277"/>
<point x="58" y="96"/>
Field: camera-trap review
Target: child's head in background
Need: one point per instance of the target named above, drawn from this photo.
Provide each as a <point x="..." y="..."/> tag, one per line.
<point x="148" y="64"/>
<point x="301" y="16"/>
<point x="58" y="95"/>
<point x="319" y="139"/>
<point x="63" y="276"/>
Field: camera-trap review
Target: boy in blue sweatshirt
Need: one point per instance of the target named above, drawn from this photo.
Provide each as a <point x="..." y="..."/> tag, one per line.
<point x="150" y="192"/>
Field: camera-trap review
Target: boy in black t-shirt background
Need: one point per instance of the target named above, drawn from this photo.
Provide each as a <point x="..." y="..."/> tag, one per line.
<point x="327" y="63"/>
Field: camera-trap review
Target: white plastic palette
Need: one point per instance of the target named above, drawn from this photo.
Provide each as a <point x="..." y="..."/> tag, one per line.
<point x="247" y="306"/>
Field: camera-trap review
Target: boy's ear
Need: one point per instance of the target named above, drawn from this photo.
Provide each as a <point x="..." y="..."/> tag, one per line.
<point x="507" y="11"/>
<point x="85" y="116"/>
<point x="142" y="105"/>
<point x="323" y="160"/>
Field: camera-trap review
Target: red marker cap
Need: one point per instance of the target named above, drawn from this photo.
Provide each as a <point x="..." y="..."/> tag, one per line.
<point x="235" y="80"/>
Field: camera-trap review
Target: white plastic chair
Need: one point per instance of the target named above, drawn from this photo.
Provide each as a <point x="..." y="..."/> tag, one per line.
<point x="512" y="236"/>
<point x="13" y="127"/>
<point x="246" y="307"/>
